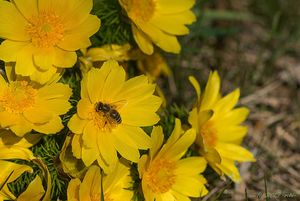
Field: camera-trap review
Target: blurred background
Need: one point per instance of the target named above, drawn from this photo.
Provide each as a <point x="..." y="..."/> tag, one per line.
<point x="255" y="45"/>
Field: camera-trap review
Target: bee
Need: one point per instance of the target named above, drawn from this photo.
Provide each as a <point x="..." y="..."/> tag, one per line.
<point x="109" y="111"/>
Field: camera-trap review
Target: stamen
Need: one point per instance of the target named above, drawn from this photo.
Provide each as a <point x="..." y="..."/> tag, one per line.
<point x="46" y="29"/>
<point x="18" y="97"/>
<point x="209" y="133"/>
<point x="160" y="175"/>
<point x="141" y="10"/>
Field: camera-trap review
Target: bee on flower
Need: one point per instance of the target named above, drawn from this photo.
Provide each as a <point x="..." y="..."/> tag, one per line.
<point x="218" y="126"/>
<point x="95" y="185"/>
<point x="110" y="115"/>
<point x="165" y="176"/>
<point x="41" y="36"/>
<point x="26" y="105"/>
<point x="159" y="22"/>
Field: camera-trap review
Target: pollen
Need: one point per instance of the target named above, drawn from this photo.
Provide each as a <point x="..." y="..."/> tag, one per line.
<point x="46" y="30"/>
<point x="18" y="97"/>
<point x="102" y="119"/>
<point x="209" y="133"/>
<point x="141" y="10"/>
<point x="160" y="175"/>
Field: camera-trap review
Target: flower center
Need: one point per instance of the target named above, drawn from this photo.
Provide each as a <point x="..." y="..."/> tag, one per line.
<point x="141" y="10"/>
<point x="160" y="175"/>
<point x="209" y="133"/>
<point x="46" y="29"/>
<point x="105" y="116"/>
<point x="18" y="97"/>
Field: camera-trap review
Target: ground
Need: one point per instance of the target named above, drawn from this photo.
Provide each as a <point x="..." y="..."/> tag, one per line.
<point x="255" y="46"/>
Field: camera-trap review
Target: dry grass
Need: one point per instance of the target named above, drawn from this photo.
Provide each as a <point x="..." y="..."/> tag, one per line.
<point x="269" y="77"/>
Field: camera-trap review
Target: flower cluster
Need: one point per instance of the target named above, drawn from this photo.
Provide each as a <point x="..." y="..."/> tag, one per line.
<point x="112" y="136"/>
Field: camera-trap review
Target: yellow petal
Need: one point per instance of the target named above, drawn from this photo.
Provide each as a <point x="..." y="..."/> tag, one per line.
<point x="91" y="181"/>
<point x="9" y="50"/>
<point x="137" y="87"/>
<point x="89" y="155"/>
<point x="84" y="107"/>
<point x="44" y="58"/>
<point x="24" y="63"/>
<point x="46" y="176"/>
<point x="174" y="6"/>
<point x="178" y="149"/>
<point x="142" y="165"/>
<point x="38" y="115"/>
<point x="77" y="145"/>
<point x="12" y="23"/>
<point x="74" y="39"/>
<point x="141" y="112"/>
<point x="196" y="86"/>
<point x="193" y="119"/>
<point x="157" y="139"/>
<point x="55" y="91"/>
<point x="211" y="92"/>
<point x="77" y="124"/>
<point x="34" y="191"/>
<point x="95" y="82"/>
<point x="53" y="126"/>
<point x="21" y="127"/>
<point x="107" y="149"/>
<point x="8" y="138"/>
<point x="57" y="106"/>
<point x="168" y="43"/>
<point x="234" y="152"/>
<point x="90" y="134"/>
<point x="73" y="190"/>
<point x="77" y="13"/>
<point x="204" y="116"/>
<point x="231" y="133"/>
<point x="180" y="196"/>
<point x="142" y="40"/>
<point x="64" y="59"/>
<point x="14" y="169"/>
<point x="134" y="136"/>
<point x="126" y="151"/>
<point x="233" y="117"/>
<point x="8" y="119"/>
<point x="43" y="77"/>
<point x="114" y="81"/>
<point x="70" y="164"/>
<point x="148" y="194"/>
<point x="28" y="8"/>
<point x="226" y="103"/>
<point x="190" y="186"/>
<point x="15" y="152"/>
<point x="169" y="24"/>
<point x="190" y="166"/>
<point x="175" y="135"/>
<point x="228" y="168"/>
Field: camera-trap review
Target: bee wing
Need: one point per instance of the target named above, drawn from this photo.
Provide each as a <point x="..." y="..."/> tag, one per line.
<point x="119" y="104"/>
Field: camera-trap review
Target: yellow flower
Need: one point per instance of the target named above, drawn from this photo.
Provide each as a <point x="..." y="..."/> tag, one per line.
<point x="217" y="123"/>
<point x="113" y="186"/>
<point x="14" y="147"/>
<point x="95" y="57"/>
<point x="153" y="65"/>
<point x="26" y="105"/>
<point x="158" y="22"/>
<point x="167" y="177"/>
<point x="110" y="114"/>
<point x="42" y="36"/>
